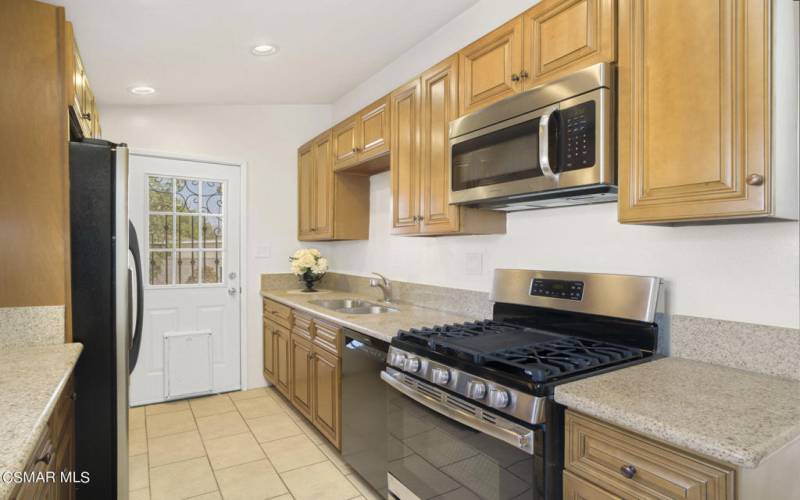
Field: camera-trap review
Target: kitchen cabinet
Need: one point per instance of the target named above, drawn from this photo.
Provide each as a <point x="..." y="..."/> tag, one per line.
<point x="421" y="114"/>
<point x="361" y="142"/>
<point x="694" y="110"/>
<point x="561" y="36"/>
<point x="302" y="369"/>
<point x="80" y="96"/>
<point x="489" y="68"/>
<point x="603" y="461"/>
<point x="54" y="453"/>
<point x="330" y="206"/>
<point x="307" y="366"/>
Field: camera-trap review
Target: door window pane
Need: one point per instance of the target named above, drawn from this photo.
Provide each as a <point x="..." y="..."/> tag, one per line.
<point x="212" y="197"/>
<point x="160" y="268"/>
<point x="161" y="231"/>
<point x="187" y="267"/>
<point x="188" y="232"/>
<point x="160" y="193"/>
<point x="212" y="232"/>
<point x="187" y="195"/>
<point x="212" y="267"/>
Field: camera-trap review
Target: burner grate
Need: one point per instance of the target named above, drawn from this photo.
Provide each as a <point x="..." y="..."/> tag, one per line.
<point x="538" y="355"/>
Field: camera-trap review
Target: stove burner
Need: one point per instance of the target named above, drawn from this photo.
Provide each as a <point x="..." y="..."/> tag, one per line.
<point x="535" y="354"/>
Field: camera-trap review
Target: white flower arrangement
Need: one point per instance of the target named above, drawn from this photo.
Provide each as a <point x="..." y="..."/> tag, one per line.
<point x="309" y="265"/>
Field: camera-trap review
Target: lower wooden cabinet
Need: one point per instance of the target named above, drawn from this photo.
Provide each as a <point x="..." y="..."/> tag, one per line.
<point x="603" y="462"/>
<point x="304" y="364"/>
<point x="54" y="453"/>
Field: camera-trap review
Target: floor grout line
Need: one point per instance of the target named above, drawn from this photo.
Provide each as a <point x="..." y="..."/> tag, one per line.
<point x="203" y="443"/>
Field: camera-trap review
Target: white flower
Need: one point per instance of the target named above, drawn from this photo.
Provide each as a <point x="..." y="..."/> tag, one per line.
<point x="321" y="266"/>
<point x="314" y="252"/>
<point x="308" y="259"/>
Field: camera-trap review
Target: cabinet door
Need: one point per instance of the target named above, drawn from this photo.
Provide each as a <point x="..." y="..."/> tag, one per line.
<point x="405" y="107"/>
<point x="301" y="369"/>
<point x="282" y="361"/>
<point x="345" y="143"/>
<point x="269" y="350"/>
<point x="562" y="36"/>
<point x="693" y="110"/>
<point x="489" y="68"/>
<point x="305" y="192"/>
<point x="576" y="488"/>
<point x="327" y="395"/>
<point x="323" y="188"/>
<point x="373" y="123"/>
<point x="439" y="106"/>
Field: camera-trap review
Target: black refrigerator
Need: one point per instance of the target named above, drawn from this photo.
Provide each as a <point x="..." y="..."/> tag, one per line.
<point x="106" y="312"/>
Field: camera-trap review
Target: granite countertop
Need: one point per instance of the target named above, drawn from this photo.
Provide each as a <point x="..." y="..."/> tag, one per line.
<point x="31" y="380"/>
<point x="732" y="415"/>
<point x="381" y="326"/>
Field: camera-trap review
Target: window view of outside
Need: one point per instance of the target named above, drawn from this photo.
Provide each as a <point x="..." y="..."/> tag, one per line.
<point x="185" y="241"/>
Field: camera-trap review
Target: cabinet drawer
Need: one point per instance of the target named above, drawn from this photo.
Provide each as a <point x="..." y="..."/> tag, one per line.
<point x="278" y="312"/>
<point x="604" y="454"/>
<point x="326" y="335"/>
<point x="303" y="325"/>
<point x="576" y="488"/>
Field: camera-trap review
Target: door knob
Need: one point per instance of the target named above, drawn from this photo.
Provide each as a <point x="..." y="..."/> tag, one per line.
<point x="232" y="291"/>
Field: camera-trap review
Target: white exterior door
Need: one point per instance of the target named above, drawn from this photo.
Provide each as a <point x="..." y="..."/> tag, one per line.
<point x="187" y="214"/>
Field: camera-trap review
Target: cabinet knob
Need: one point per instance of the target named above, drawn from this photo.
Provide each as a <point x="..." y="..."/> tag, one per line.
<point x="514" y="77"/>
<point x="628" y="471"/>
<point x="73" y="396"/>
<point x="45" y="459"/>
<point x="86" y="116"/>
<point x="524" y="74"/>
<point x="755" y="179"/>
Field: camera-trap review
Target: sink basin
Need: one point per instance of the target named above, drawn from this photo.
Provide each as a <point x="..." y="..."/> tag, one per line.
<point x="353" y="306"/>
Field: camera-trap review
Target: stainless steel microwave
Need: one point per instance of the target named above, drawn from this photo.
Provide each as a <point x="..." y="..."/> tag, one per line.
<point x="549" y="146"/>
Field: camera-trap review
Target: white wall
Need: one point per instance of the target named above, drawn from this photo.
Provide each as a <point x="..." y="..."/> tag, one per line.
<point x="266" y="137"/>
<point x="743" y="272"/>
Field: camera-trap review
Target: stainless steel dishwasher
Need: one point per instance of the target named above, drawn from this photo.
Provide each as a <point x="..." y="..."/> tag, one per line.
<point x="365" y="444"/>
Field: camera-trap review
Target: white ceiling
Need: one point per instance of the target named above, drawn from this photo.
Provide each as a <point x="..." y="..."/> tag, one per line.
<point x="198" y="51"/>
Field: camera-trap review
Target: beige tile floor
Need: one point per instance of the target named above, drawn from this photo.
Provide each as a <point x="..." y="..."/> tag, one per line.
<point x="240" y="445"/>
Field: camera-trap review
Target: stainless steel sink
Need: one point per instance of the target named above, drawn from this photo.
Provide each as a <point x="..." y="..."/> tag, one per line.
<point x="353" y="306"/>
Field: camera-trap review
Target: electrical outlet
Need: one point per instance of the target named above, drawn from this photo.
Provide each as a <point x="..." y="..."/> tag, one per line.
<point x="262" y="252"/>
<point x="473" y="264"/>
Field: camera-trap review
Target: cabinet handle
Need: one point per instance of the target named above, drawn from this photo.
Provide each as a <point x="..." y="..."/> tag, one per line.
<point x="45" y="459"/>
<point x="354" y="150"/>
<point x="755" y="179"/>
<point x="73" y="396"/>
<point x="514" y="77"/>
<point x="86" y="116"/>
<point x="524" y="74"/>
<point x="628" y="471"/>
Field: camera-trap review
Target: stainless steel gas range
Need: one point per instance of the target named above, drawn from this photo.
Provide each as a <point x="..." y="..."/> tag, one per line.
<point x="472" y="414"/>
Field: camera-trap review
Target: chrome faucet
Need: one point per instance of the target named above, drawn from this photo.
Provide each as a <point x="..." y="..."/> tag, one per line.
<point x="384" y="284"/>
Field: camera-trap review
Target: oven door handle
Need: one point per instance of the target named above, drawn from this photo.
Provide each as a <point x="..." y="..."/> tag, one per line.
<point x="510" y="433"/>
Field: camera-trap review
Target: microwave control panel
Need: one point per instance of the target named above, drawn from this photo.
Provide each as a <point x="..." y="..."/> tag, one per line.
<point x="578" y="130"/>
<point x="558" y="289"/>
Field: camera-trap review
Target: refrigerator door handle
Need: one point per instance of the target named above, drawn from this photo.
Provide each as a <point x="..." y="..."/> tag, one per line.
<point x="136" y="327"/>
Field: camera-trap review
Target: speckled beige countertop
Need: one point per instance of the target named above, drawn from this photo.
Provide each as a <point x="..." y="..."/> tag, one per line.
<point x="735" y="416"/>
<point x="31" y="380"/>
<point x="382" y="326"/>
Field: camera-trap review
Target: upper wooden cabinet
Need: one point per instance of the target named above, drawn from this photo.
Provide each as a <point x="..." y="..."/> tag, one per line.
<point x="490" y="67"/>
<point x="694" y="110"/>
<point x="330" y="206"/>
<point x="362" y="141"/>
<point x="80" y="97"/>
<point x="421" y="113"/>
<point x="561" y="36"/>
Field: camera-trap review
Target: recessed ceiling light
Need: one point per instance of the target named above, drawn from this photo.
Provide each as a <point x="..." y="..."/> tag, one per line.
<point x="264" y="50"/>
<point x="142" y="90"/>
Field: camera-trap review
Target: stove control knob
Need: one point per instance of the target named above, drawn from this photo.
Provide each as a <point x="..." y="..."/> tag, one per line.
<point x="440" y="376"/>
<point x="476" y="389"/>
<point x="498" y="398"/>
<point x="412" y="365"/>
<point x="397" y="359"/>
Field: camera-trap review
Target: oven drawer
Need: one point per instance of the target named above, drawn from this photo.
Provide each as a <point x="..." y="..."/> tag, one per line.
<point x="278" y="313"/>
<point x="632" y="466"/>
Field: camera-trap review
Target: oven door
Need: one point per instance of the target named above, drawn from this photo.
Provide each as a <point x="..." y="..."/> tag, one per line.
<point x="442" y="446"/>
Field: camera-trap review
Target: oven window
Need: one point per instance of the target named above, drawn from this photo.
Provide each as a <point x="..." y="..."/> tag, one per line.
<point x="433" y="456"/>
<point x="505" y="155"/>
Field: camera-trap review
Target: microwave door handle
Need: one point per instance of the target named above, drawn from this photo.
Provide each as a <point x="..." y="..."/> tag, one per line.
<point x="544" y="146"/>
